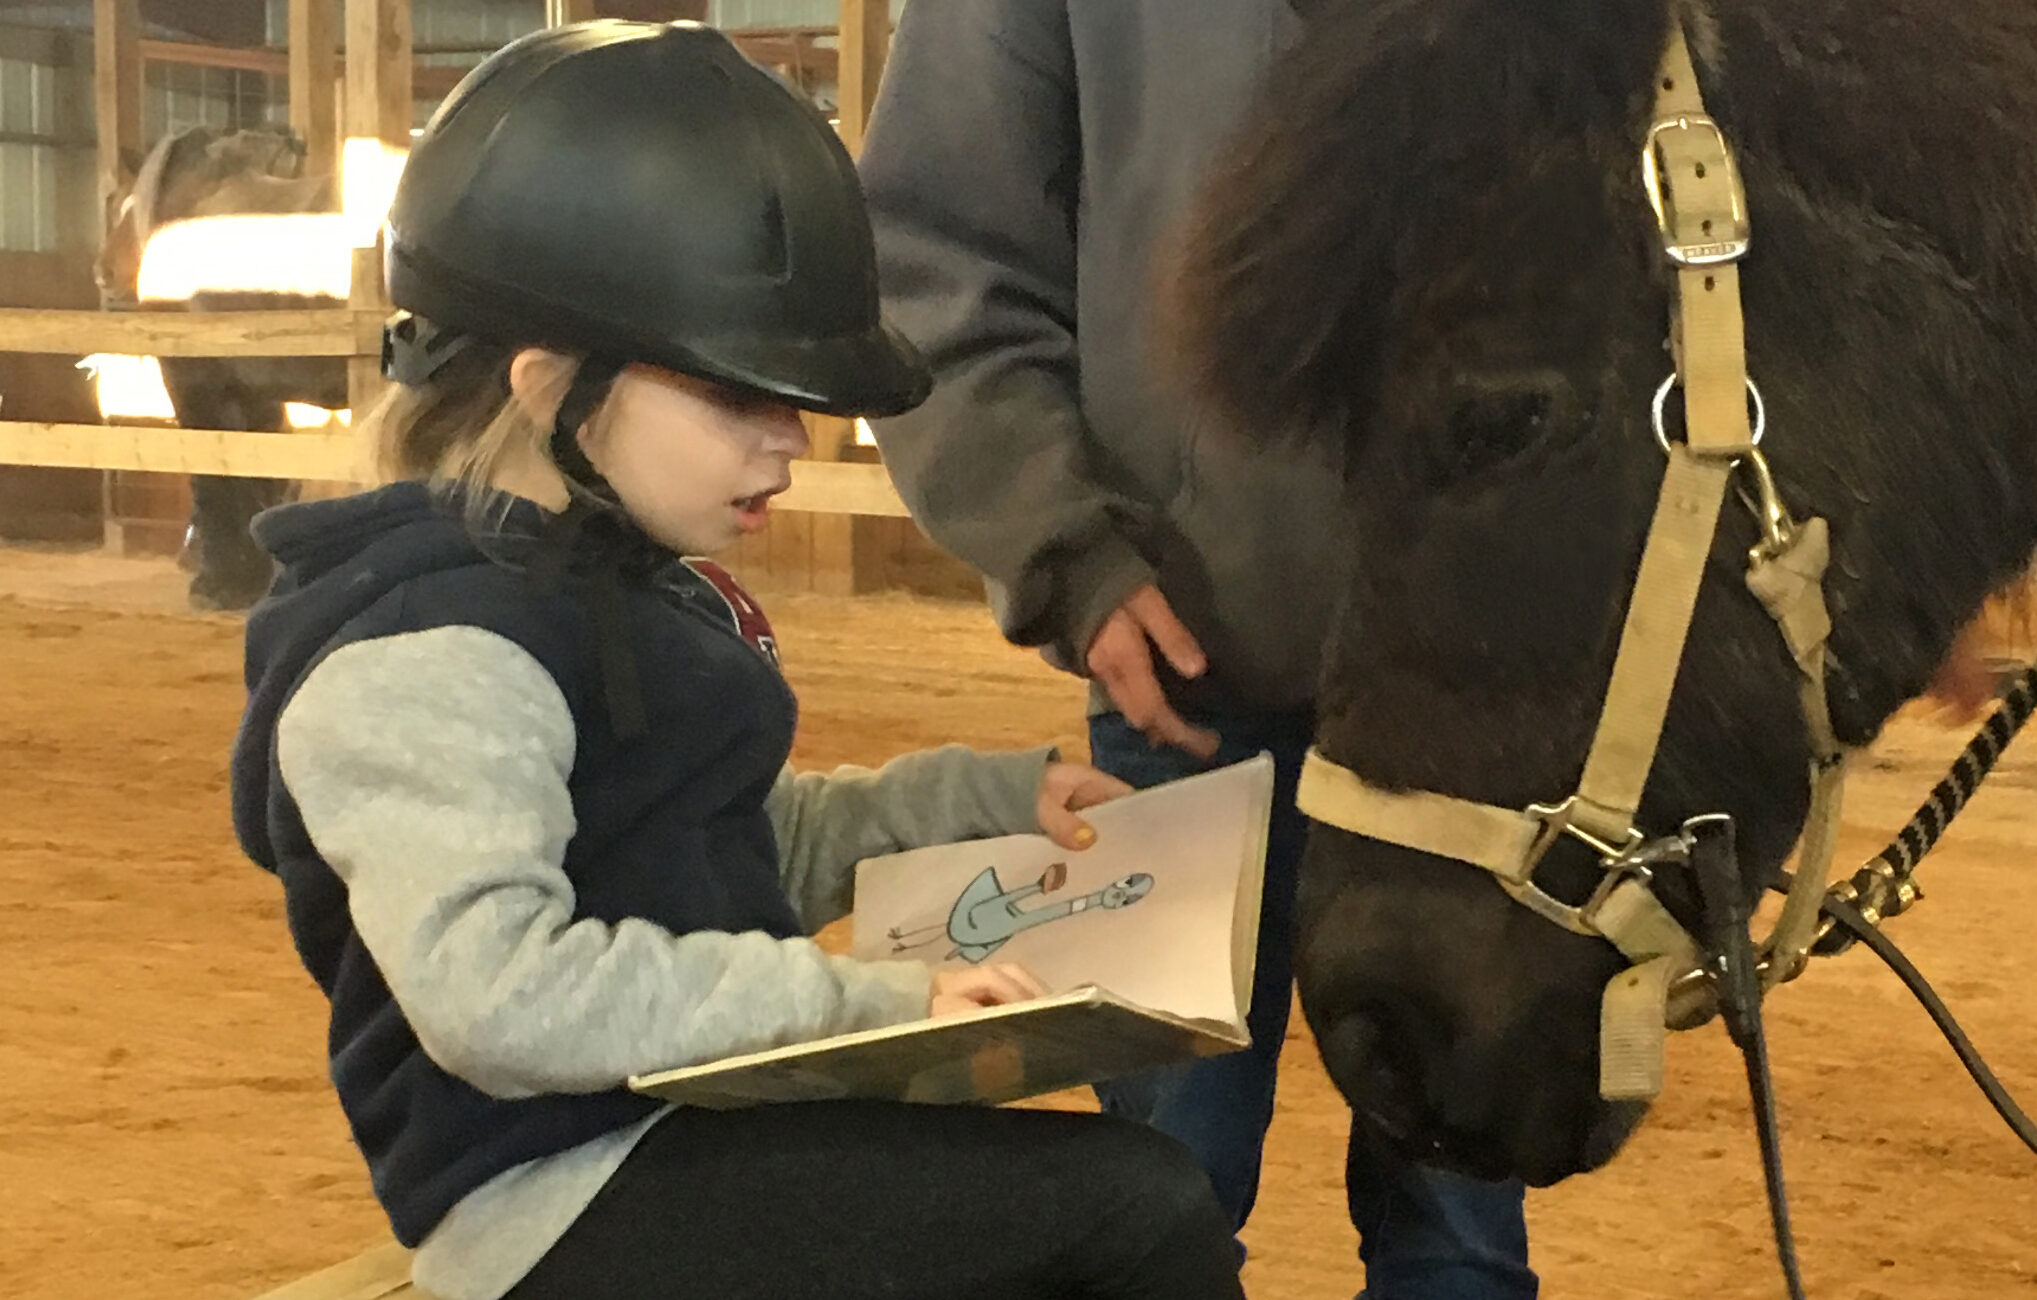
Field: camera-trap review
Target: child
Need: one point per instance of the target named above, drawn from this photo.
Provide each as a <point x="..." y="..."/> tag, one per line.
<point x="521" y="771"/>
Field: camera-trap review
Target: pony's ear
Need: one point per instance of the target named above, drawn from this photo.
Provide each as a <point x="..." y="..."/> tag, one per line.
<point x="123" y="192"/>
<point x="291" y="160"/>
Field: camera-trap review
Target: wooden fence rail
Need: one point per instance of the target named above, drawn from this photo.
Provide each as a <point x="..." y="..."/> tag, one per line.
<point x="818" y="487"/>
<point x="324" y="332"/>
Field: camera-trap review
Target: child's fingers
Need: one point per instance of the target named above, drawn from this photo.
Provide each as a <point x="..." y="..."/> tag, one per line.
<point x="998" y="984"/>
<point x="1092" y="787"/>
<point x="1063" y="826"/>
<point x="1068" y="786"/>
<point x="1027" y="982"/>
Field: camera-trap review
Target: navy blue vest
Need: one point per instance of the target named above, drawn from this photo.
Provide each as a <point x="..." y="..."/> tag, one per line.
<point x="671" y="827"/>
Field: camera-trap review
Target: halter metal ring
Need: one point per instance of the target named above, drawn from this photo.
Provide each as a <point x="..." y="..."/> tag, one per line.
<point x="1662" y="396"/>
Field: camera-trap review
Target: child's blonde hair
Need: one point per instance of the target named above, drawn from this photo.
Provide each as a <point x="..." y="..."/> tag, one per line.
<point x="460" y="428"/>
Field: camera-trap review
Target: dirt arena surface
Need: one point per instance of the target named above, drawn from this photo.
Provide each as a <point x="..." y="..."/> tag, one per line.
<point x="166" y="1129"/>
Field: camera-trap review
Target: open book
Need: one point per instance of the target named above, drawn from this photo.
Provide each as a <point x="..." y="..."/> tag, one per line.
<point x="1145" y="941"/>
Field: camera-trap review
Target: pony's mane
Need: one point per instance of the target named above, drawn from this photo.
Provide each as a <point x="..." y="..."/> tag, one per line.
<point x="1395" y="118"/>
<point x="170" y="156"/>
<point x="210" y="154"/>
<point x="1387" y="118"/>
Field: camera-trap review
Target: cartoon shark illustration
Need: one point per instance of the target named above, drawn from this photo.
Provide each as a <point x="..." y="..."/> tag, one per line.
<point x="986" y="914"/>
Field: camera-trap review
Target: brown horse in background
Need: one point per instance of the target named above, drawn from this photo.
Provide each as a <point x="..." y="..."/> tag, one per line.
<point x="204" y="172"/>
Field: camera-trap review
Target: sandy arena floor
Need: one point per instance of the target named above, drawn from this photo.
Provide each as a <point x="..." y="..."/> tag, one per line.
<point x="166" y="1129"/>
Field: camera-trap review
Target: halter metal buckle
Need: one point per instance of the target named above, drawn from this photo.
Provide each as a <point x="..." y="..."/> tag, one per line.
<point x="1717" y="245"/>
<point x="1617" y="862"/>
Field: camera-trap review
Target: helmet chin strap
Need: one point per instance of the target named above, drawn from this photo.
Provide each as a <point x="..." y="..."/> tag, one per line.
<point x="595" y="518"/>
<point x="596" y="530"/>
<point x="594" y="533"/>
<point x="589" y="389"/>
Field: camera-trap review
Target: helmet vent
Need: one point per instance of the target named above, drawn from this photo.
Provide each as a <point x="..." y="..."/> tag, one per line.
<point x="776" y="257"/>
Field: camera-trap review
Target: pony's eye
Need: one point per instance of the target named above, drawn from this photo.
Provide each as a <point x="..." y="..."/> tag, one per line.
<point x="1491" y="425"/>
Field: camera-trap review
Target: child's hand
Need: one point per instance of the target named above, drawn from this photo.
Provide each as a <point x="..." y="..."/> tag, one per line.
<point x="993" y="985"/>
<point x="1066" y="787"/>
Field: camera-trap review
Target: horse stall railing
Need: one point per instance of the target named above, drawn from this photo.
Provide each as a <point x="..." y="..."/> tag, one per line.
<point x="333" y="332"/>
<point x="818" y="487"/>
<point x="841" y="489"/>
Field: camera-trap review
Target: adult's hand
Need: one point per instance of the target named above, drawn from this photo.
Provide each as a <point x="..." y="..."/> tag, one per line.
<point x="1965" y="685"/>
<point x="1121" y="657"/>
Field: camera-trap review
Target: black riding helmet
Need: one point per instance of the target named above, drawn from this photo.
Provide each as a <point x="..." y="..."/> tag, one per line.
<point x="641" y="192"/>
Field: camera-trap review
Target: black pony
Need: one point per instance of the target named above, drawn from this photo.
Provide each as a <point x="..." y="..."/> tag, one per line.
<point x="1432" y="243"/>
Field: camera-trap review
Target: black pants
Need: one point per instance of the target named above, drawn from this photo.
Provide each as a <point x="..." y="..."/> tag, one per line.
<point x="862" y="1200"/>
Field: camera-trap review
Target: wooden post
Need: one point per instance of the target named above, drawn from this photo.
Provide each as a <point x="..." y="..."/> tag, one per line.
<point x="830" y="540"/>
<point x="378" y="71"/>
<point x="116" y="103"/>
<point x="378" y="58"/>
<point x="560" y="12"/>
<point x="314" y="78"/>
<point x="116" y="87"/>
<point x="864" y="41"/>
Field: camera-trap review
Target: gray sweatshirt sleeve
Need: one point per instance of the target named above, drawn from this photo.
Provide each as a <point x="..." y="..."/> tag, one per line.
<point x="827" y="822"/>
<point x="430" y="770"/>
<point x="972" y="169"/>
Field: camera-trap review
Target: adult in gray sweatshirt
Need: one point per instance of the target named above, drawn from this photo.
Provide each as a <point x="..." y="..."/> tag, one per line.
<point x="1026" y="164"/>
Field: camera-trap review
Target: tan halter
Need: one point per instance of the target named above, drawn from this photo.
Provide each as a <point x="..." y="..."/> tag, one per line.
<point x="1701" y="210"/>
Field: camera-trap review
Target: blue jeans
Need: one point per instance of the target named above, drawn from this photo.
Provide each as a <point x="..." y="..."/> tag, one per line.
<point x="1423" y="1234"/>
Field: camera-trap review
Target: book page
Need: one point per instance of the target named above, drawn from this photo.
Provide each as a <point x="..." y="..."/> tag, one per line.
<point x="1247" y="908"/>
<point x="1150" y="912"/>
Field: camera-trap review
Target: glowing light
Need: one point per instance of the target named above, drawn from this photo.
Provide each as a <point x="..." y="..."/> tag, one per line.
<point x="131" y="388"/>
<point x="298" y="253"/>
<point x="865" y="435"/>
<point x="128" y="388"/>
<point x="303" y="415"/>
<point x="369" y="170"/>
<point x="306" y="253"/>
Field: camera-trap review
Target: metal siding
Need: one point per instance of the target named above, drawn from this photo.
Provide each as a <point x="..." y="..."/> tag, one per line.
<point x="28" y="170"/>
